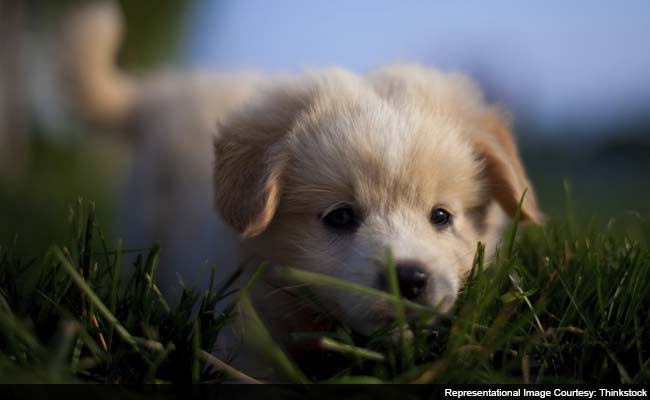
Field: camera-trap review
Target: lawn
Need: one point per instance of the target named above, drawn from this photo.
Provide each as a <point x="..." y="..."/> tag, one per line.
<point x="566" y="302"/>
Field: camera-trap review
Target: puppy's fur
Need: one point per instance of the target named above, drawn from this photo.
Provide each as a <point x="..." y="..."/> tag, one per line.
<point x="391" y="145"/>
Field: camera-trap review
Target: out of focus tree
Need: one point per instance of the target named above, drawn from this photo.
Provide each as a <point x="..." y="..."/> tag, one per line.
<point x="152" y="31"/>
<point x="13" y="101"/>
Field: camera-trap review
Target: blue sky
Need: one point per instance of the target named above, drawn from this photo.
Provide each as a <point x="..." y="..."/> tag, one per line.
<point x="583" y="62"/>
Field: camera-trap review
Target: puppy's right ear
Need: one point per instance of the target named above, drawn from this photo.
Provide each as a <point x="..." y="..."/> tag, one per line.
<point x="503" y="170"/>
<point x="251" y="155"/>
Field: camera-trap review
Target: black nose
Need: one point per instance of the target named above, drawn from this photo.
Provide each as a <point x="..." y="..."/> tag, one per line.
<point x="412" y="279"/>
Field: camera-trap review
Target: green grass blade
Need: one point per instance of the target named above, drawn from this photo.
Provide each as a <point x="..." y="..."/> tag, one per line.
<point x="257" y="333"/>
<point x="227" y="369"/>
<point x="326" y="280"/>
<point x="196" y="349"/>
<point x="103" y="310"/>
<point x="115" y="286"/>
<point x="353" y="351"/>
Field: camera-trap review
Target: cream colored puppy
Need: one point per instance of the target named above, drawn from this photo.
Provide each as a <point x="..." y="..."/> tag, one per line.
<point x="327" y="171"/>
<point x="322" y="172"/>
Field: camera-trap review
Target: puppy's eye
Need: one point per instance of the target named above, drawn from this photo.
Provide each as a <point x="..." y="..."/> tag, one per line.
<point x="341" y="218"/>
<point x="440" y="217"/>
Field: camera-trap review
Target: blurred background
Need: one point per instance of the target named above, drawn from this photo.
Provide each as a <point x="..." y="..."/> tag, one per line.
<point x="575" y="75"/>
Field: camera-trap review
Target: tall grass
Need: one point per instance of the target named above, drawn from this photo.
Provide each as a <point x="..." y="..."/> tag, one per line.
<point x="567" y="302"/>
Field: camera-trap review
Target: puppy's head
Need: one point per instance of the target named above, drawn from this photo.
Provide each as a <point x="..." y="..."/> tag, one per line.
<point x="329" y="172"/>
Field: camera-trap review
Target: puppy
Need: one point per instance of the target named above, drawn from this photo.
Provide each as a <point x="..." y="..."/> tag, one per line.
<point x="326" y="172"/>
<point x="323" y="172"/>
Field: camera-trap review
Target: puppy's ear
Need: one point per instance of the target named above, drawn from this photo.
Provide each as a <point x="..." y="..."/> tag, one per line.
<point x="251" y="155"/>
<point x="503" y="171"/>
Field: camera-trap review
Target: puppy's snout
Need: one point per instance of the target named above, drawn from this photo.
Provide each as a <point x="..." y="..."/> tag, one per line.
<point x="412" y="279"/>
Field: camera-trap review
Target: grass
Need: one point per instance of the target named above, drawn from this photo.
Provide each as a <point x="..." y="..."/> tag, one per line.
<point x="35" y="193"/>
<point x="567" y="302"/>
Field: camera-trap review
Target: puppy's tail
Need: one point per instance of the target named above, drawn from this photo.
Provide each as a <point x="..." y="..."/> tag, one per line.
<point x="98" y="90"/>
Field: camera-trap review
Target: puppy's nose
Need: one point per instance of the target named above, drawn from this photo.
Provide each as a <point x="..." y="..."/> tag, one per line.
<point x="412" y="279"/>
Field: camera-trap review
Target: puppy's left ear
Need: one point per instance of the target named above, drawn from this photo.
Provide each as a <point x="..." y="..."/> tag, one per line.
<point x="503" y="171"/>
<point x="251" y="155"/>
